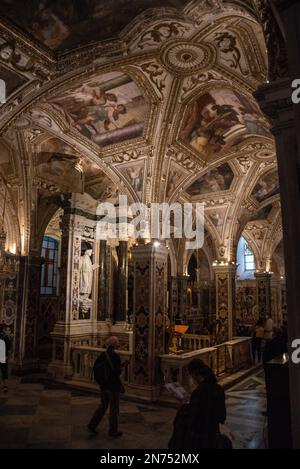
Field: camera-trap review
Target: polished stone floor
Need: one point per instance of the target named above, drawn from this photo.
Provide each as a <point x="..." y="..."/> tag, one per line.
<point x="245" y="403"/>
<point x="34" y="415"/>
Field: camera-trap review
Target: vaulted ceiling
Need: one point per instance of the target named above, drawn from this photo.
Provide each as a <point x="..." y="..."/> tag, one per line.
<point x="163" y="111"/>
<point x="65" y="24"/>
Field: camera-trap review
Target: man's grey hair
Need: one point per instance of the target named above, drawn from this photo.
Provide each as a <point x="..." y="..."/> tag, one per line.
<point x="112" y="341"/>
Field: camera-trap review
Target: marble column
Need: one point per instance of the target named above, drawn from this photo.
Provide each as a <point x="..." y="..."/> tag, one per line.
<point x="173" y="298"/>
<point x="28" y="308"/>
<point x="121" y="310"/>
<point x="75" y="322"/>
<point x="60" y="367"/>
<point x="276" y="300"/>
<point x="283" y="298"/>
<point x="110" y="283"/>
<point x="3" y="237"/>
<point x="65" y="227"/>
<point x="102" y="312"/>
<point x="19" y="317"/>
<point x="182" y="298"/>
<point x="275" y="101"/>
<point x="149" y="309"/>
<point x="225" y="299"/>
<point x="32" y="305"/>
<point x="263" y="293"/>
<point x="199" y="290"/>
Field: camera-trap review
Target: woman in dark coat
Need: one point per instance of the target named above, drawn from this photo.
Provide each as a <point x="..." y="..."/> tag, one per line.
<point x="196" y="425"/>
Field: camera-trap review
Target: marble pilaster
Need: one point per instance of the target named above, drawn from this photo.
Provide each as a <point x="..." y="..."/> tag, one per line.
<point x="76" y="322"/>
<point x="122" y="295"/>
<point x="263" y="293"/>
<point x="149" y="309"/>
<point x="102" y="312"/>
<point x="182" y="282"/>
<point x="225" y="300"/>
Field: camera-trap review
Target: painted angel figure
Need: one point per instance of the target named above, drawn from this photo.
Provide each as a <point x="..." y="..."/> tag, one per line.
<point x="136" y="176"/>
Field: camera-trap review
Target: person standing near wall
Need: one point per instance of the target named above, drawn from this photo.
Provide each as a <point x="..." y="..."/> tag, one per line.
<point x="275" y="347"/>
<point x="257" y="338"/>
<point x="268" y="327"/>
<point x="4" y="351"/>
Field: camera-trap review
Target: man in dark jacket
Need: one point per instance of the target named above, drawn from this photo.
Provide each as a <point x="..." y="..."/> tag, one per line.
<point x="110" y="390"/>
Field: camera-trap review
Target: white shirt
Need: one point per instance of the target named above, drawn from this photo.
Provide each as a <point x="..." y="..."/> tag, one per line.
<point x="2" y="351"/>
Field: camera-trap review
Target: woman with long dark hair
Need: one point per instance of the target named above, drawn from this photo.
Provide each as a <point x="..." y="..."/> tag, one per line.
<point x="196" y="425"/>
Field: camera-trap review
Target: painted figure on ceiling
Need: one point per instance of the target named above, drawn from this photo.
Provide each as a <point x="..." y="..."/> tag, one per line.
<point x="219" y="119"/>
<point x="136" y="177"/>
<point x="106" y="110"/>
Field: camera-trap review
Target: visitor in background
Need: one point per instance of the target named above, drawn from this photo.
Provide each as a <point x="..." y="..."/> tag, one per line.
<point x="196" y="425"/>
<point x="109" y="366"/>
<point x="4" y="352"/>
<point x="257" y="338"/>
<point x="275" y="347"/>
<point x="284" y="331"/>
<point x="169" y="336"/>
<point x="268" y="327"/>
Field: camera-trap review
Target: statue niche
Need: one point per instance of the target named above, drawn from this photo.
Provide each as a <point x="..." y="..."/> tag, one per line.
<point x="86" y="269"/>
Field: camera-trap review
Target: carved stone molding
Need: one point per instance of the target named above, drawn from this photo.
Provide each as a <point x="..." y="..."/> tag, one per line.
<point x="184" y="58"/>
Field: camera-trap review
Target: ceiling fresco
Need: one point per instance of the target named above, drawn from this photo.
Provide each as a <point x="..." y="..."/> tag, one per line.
<point x="217" y="217"/>
<point x="220" y="119"/>
<point x="264" y="212"/>
<point x="59" y="163"/>
<point x="134" y="174"/>
<point x="266" y="187"/>
<point x="108" y="109"/>
<point x="103" y="189"/>
<point x="13" y="80"/>
<point x="6" y="166"/>
<point x="164" y="114"/>
<point x="65" y="24"/>
<point x="215" y="180"/>
<point x="175" y="177"/>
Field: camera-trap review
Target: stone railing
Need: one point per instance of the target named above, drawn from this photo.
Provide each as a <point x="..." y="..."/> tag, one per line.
<point x="228" y="357"/>
<point x="125" y="340"/>
<point x="174" y="367"/>
<point x="221" y="359"/>
<point x="83" y="359"/>
<point x="231" y="356"/>
<point x="191" y="342"/>
<point x="238" y="353"/>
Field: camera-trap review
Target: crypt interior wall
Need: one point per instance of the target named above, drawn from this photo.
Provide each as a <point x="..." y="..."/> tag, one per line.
<point x="162" y="112"/>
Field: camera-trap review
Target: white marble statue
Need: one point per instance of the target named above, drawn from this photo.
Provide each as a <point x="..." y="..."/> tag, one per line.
<point x="86" y="268"/>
